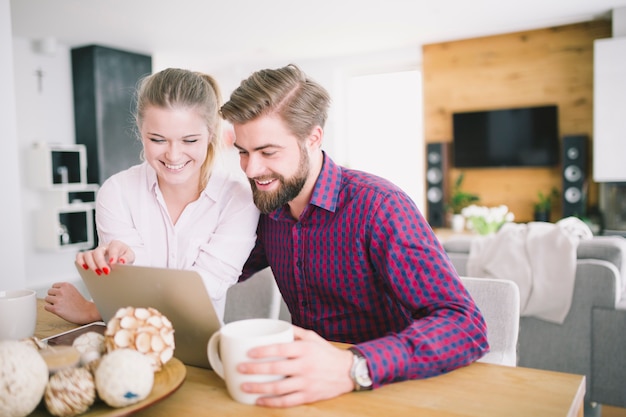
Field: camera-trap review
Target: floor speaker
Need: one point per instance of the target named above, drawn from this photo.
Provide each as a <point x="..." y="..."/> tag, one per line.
<point x="574" y="175"/>
<point x="436" y="169"/>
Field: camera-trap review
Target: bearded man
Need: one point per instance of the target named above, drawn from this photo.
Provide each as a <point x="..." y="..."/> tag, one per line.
<point x="355" y="260"/>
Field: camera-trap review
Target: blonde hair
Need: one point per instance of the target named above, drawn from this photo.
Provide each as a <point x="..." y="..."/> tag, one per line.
<point x="179" y="88"/>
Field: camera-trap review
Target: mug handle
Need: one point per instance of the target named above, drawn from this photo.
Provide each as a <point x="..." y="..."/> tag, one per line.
<point x="213" y="354"/>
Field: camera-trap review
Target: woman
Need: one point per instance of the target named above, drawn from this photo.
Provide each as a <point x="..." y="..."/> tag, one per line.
<point x="174" y="210"/>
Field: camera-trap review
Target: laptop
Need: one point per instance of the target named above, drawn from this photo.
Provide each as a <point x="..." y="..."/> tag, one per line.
<point x="180" y="295"/>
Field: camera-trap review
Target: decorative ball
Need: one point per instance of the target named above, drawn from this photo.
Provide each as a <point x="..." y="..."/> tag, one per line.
<point x="70" y="392"/>
<point x="124" y="377"/>
<point x="24" y="375"/>
<point x="90" y="345"/>
<point x="145" y="330"/>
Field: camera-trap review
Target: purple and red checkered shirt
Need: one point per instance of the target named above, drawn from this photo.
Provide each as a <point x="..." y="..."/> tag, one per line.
<point x="363" y="266"/>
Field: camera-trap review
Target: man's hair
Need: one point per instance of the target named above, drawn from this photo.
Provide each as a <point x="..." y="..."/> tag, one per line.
<point x="286" y="92"/>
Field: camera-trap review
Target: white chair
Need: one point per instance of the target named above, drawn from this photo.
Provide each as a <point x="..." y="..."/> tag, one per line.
<point x="499" y="301"/>
<point x="257" y="297"/>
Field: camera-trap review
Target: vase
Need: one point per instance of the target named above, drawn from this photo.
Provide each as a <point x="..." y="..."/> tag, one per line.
<point x="542" y="216"/>
<point x="458" y="223"/>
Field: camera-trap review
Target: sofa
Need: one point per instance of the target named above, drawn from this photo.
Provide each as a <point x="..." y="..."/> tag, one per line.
<point x="592" y="339"/>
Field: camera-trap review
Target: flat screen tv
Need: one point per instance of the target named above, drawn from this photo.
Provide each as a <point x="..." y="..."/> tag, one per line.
<point x="517" y="137"/>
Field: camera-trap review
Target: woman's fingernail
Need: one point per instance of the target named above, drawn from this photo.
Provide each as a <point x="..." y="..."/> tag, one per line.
<point x="105" y="270"/>
<point x="122" y="261"/>
<point x="99" y="272"/>
<point x="110" y="260"/>
<point x="85" y="266"/>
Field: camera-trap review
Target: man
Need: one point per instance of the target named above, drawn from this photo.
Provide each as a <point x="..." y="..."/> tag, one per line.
<point x="354" y="259"/>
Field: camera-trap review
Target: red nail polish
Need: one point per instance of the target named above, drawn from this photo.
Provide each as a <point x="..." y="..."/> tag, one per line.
<point x="85" y="266"/>
<point x="99" y="272"/>
<point x="106" y="271"/>
<point x="110" y="260"/>
<point x="122" y="261"/>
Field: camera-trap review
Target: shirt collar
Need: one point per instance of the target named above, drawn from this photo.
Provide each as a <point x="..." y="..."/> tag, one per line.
<point x="151" y="177"/>
<point x="217" y="181"/>
<point x="328" y="184"/>
<point x="325" y="192"/>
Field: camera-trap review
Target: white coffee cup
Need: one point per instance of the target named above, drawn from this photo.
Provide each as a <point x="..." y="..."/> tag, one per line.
<point x="229" y="347"/>
<point x="18" y="314"/>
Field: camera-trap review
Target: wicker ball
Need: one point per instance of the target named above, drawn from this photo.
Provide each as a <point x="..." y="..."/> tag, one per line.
<point x="145" y="330"/>
<point x="124" y="377"/>
<point x="24" y="375"/>
<point x="70" y="392"/>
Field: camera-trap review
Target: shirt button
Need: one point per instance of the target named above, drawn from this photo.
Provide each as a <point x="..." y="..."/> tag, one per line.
<point x="298" y="263"/>
<point x="304" y="304"/>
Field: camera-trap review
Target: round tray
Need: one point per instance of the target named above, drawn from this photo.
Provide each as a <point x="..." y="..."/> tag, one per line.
<point x="166" y="381"/>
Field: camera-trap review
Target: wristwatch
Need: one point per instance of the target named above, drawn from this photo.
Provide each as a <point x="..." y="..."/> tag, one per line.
<point x="359" y="372"/>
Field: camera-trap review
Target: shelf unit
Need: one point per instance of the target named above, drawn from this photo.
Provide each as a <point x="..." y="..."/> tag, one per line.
<point x="64" y="228"/>
<point x="57" y="166"/>
<point x="66" y="219"/>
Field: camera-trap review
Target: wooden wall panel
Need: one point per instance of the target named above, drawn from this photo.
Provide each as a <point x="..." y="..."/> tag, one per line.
<point x="546" y="66"/>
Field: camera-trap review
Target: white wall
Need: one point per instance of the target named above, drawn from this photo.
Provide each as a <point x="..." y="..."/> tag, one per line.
<point x="45" y="113"/>
<point x="11" y="233"/>
<point x="619" y="22"/>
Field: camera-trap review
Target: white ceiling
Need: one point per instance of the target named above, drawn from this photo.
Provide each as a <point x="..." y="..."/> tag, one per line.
<point x="287" y="29"/>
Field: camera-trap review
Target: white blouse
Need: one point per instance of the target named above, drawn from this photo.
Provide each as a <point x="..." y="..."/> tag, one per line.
<point x="213" y="235"/>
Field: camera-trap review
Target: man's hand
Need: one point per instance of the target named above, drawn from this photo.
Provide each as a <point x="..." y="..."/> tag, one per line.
<point x="315" y="370"/>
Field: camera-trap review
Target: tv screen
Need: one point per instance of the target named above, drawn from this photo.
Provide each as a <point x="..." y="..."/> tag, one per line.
<point x="518" y="137"/>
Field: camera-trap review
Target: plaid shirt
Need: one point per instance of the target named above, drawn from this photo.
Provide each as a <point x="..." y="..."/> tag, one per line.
<point x="363" y="266"/>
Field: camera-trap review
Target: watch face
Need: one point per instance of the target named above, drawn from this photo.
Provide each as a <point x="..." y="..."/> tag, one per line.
<point x="362" y="374"/>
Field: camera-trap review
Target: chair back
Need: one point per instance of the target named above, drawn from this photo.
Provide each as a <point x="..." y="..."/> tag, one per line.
<point x="499" y="301"/>
<point x="257" y="297"/>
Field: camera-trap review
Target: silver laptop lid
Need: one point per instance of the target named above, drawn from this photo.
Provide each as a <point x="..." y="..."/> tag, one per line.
<point x="178" y="294"/>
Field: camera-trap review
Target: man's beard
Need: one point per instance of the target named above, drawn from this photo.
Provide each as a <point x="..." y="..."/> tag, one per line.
<point x="288" y="189"/>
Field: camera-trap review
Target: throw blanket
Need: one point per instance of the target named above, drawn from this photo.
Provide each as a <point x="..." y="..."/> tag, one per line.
<point x="540" y="257"/>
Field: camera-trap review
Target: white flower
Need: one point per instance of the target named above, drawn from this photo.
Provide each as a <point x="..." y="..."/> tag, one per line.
<point x="486" y="220"/>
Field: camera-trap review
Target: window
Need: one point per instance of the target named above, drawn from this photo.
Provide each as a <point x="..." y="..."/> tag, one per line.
<point x="385" y="130"/>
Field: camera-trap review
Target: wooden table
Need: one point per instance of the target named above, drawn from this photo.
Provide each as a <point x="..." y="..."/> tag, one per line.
<point x="480" y="390"/>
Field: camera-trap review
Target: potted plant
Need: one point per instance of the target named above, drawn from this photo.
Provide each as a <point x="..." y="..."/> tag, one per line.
<point x="543" y="205"/>
<point x="459" y="199"/>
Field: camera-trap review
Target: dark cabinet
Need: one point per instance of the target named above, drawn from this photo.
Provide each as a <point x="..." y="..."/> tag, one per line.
<point x="104" y="81"/>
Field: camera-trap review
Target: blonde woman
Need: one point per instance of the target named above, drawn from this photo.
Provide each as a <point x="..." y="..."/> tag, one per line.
<point x="177" y="209"/>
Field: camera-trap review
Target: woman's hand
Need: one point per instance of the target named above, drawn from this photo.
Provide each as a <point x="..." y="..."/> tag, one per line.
<point x="67" y="302"/>
<point x="101" y="258"/>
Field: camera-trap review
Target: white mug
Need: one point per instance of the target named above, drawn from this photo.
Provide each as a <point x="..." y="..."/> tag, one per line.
<point x="18" y="314"/>
<point x="229" y="347"/>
